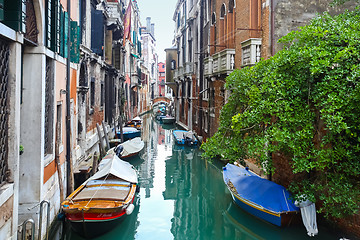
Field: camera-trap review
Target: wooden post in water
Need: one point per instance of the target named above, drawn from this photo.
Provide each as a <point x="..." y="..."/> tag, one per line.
<point x="101" y="147"/>
<point x="121" y="129"/>
<point x="106" y="136"/>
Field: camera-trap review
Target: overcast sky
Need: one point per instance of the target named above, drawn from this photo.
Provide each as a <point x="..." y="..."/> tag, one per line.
<point x="161" y="13"/>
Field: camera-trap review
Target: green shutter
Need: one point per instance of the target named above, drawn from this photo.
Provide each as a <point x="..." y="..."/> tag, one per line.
<point x="48" y="23"/>
<point x="54" y="28"/>
<point x="66" y="26"/>
<point x="15" y="14"/>
<point x="75" y="42"/>
<point x="1" y="10"/>
<point x="61" y="36"/>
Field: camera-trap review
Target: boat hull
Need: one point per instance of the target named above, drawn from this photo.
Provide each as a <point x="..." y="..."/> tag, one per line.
<point x="129" y="135"/>
<point x="96" y="227"/>
<point x="168" y="120"/>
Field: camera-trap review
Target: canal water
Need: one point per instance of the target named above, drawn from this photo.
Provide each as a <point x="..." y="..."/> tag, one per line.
<point x="183" y="197"/>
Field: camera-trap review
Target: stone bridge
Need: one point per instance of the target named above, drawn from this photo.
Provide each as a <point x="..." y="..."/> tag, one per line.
<point x="158" y="100"/>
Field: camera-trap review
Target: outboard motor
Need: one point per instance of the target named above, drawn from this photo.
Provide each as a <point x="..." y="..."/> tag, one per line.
<point x="118" y="150"/>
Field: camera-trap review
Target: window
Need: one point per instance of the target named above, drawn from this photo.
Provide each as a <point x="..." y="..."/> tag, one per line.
<point x="92" y="92"/>
<point x="223" y="11"/>
<point x="13" y="14"/>
<point x="213" y="19"/>
<point x="49" y="109"/>
<point x="59" y="127"/>
<point x="4" y="107"/>
<point x="173" y="64"/>
<point x="102" y="95"/>
<point x="231" y="6"/>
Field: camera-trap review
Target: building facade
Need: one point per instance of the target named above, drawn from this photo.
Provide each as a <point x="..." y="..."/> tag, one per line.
<point x="56" y="88"/>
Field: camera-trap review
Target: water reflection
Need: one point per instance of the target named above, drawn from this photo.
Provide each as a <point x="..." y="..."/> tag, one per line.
<point x="183" y="197"/>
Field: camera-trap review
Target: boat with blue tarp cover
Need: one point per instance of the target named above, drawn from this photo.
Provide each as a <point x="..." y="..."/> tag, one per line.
<point x="183" y="137"/>
<point x="129" y="133"/>
<point x="260" y="197"/>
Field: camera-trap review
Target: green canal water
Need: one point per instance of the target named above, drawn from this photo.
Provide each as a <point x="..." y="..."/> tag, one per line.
<point x="184" y="197"/>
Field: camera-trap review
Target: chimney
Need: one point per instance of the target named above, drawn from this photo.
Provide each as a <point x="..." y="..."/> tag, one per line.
<point x="153" y="29"/>
<point x="148" y="19"/>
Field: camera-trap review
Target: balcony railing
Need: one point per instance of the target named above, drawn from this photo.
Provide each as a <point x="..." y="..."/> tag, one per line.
<point x="208" y="66"/>
<point x="223" y="62"/>
<point x="189" y="68"/>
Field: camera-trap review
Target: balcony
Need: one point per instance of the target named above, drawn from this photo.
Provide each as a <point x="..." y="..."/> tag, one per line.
<point x="223" y="62"/>
<point x="189" y="68"/>
<point x="208" y="66"/>
<point x="251" y="51"/>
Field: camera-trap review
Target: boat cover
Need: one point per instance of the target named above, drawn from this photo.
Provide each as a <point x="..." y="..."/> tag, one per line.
<point x="112" y="164"/>
<point x="130" y="130"/>
<point x="129" y="147"/>
<point x="260" y="191"/>
<point x="308" y="215"/>
<point x="136" y="119"/>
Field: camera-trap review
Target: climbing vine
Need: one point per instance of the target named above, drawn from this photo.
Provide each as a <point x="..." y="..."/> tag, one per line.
<point x="305" y="103"/>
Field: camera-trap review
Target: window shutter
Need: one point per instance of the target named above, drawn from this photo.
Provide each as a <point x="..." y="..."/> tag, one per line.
<point x="97" y="31"/>
<point x="15" y="14"/>
<point x="48" y="23"/>
<point x="66" y="26"/>
<point x="54" y="25"/>
<point x="75" y="42"/>
<point x="1" y="10"/>
<point x="61" y="35"/>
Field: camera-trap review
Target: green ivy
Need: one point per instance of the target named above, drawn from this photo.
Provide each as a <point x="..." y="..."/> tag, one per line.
<point x="305" y="103"/>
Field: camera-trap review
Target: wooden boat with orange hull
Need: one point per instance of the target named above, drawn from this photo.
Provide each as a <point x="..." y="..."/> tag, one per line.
<point x="102" y="201"/>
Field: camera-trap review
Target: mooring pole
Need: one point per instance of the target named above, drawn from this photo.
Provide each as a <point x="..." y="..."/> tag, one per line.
<point x="69" y="171"/>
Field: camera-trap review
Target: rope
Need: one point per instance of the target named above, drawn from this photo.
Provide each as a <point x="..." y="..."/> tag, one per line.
<point x="286" y="201"/>
<point x="97" y="190"/>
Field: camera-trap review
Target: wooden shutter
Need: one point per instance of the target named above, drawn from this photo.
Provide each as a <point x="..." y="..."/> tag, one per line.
<point x="66" y="27"/>
<point x="61" y="29"/>
<point x="48" y="23"/>
<point x="55" y="26"/>
<point x="1" y="10"/>
<point x="15" y="14"/>
<point x="97" y="31"/>
<point x="75" y="42"/>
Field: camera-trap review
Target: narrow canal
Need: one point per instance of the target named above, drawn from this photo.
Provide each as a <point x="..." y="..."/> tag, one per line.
<point x="183" y="197"/>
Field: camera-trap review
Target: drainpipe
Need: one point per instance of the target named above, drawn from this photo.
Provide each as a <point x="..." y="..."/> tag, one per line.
<point x="272" y="27"/>
<point x="201" y="64"/>
<point x="69" y="172"/>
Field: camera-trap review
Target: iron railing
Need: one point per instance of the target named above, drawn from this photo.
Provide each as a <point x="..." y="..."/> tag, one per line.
<point x="4" y="110"/>
<point x="48" y="109"/>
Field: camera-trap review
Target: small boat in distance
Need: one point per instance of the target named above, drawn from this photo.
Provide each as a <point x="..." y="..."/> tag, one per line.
<point x="129" y="133"/>
<point x="103" y="200"/>
<point x="260" y="197"/>
<point x="183" y="137"/>
<point x="135" y="123"/>
<point x="128" y="149"/>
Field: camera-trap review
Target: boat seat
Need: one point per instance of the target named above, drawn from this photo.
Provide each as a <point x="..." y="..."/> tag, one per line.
<point x="107" y="193"/>
<point x="107" y="182"/>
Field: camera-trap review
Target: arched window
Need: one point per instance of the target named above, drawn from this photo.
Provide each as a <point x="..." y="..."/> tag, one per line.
<point x="223" y="11"/>
<point x="213" y="19"/>
<point x="231" y="6"/>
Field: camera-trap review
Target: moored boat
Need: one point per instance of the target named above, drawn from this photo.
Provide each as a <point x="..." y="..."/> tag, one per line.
<point x="128" y="149"/>
<point x="260" y="197"/>
<point x="135" y="123"/>
<point x="103" y="200"/>
<point x="168" y="120"/>
<point x="183" y="137"/>
<point x="129" y="133"/>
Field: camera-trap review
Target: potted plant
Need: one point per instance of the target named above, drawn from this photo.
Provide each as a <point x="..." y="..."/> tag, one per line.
<point x="21" y="149"/>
